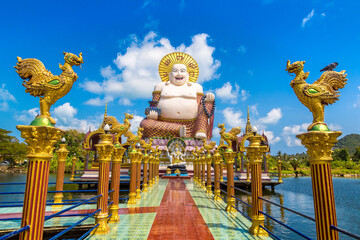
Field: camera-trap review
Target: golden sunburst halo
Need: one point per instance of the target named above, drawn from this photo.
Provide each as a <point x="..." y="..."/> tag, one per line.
<point x="170" y="59"/>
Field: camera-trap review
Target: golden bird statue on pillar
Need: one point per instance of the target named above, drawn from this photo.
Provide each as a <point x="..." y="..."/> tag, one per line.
<point x="40" y="82"/>
<point x="315" y="96"/>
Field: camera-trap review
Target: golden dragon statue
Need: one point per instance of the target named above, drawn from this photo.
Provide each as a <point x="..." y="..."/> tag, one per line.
<point x="230" y="136"/>
<point x="146" y="146"/>
<point x="115" y="127"/>
<point x="133" y="139"/>
<point x="315" y="96"/>
<point x="40" y="82"/>
<point x="208" y="146"/>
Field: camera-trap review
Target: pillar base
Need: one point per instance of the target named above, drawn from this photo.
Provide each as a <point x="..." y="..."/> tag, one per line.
<point x="138" y="195"/>
<point x="103" y="228"/>
<point x="58" y="198"/>
<point x="150" y="183"/>
<point x="114" y="210"/>
<point x="221" y="179"/>
<point x="217" y="195"/>
<point x="145" y="187"/>
<point x="255" y="228"/>
<point x="230" y="203"/>
<point x="154" y="181"/>
<point x="208" y="189"/>
<point x="132" y="198"/>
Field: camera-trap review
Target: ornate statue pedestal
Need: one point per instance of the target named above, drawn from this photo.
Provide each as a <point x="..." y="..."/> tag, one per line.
<point x="181" y="169"/>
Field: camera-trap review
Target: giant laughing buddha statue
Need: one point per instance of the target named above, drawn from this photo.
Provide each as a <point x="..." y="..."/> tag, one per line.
<point x="179" y="107"/>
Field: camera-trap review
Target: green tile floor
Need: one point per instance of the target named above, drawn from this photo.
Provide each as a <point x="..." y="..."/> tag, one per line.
<point x="223" y="225"/>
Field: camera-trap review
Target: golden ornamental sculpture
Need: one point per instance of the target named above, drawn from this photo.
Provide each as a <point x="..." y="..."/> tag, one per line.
<point x="133" y="139"/>
<point x="230" y="136"/>
<point x="169" y="60"/>
<point x="146" y="146"/>
<point x="208" y="146"/>
<point x="117" y="128"/>
<point x="315" y="96"/>
<point x="40" y="82"/>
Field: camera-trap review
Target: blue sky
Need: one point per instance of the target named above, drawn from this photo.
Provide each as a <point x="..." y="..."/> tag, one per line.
<point x="241" y="48"/>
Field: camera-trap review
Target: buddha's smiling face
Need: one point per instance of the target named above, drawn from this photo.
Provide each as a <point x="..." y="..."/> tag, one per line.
<point x="179" y="75"/>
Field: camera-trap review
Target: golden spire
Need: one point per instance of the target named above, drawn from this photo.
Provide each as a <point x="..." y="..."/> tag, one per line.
<point x="105" y="114"/>
<point x="248" y="124"/>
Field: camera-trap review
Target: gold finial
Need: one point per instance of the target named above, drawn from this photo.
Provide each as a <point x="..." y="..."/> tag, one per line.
<point x="248" y="124"/>
<point x="105" y="114"/>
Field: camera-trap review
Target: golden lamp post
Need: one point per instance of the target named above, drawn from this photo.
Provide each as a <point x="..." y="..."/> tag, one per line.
<point x="115" y="183"/>
<point x="105" y="149"/>
<point x="319" y="140"/>
<point x="254" y="153"/>
<point x="61" y="158"/>
<point x="133" y="165"/>
<point x="217" y="159"/>
<point x="229" y="156"/>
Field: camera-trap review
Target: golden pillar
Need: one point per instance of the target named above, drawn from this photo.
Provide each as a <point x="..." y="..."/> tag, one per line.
<point x="255" y="152"/>
<point x="203" y="162"/>
<point x="194" y="170"/>
<point x="145" y="172"/>
<point x="61" y="157"/>
<point x="138" y="174"/>
<point x="217" y="158"/>
<point x="151" y="159"/>
<point x="279" y="171"/>
<point x="158" y="169"/>
<point x="115" y="183"/>
<point x="229" y="156"/>
<point x="154" y="169"/>
<point x="208" y="174"/>
<point x="133" y="164"/>
<point x="319" y="145"/>
<point x="73" y="168"/>
<point x="105" y="150"/>
<point x="221" y="170"/>
<point x="198" y="169"/>
<point x="40" y="141"/>
<point x="247" y="171"/>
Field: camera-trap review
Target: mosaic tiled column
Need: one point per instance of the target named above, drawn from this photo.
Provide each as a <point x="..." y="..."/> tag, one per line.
<point x="279" y="171"/>
<point x="319" y="145"/>
<point x="145" y="172"/>
<point x="208" y="174"/>
<point x="255" y="152"/>
<point x="115" y="183"/>
<point x="151" y="159"/>
<point x="73" y="168"/>
<point x="61" y="158"/>
<point x="229" y="156"/>
<point x="217" y="158"/>
<point x="40" y="141"/>
<point x="138" y="175"/>
<point x="247" y="164"/>
<point x="133" y="164"/>
<point x="105" y="150"/>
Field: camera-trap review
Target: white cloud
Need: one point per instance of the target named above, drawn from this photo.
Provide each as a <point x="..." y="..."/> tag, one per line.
<point x="323" y="14"/>
<point x="241" y="49"/>
<point x="334" y="127"/>
<point x="253" y="109"/>
<point x="98" y="101"/>
<point x="357" y="102"/>
<point x="233" y="118"/>
<point x="65" y="117"/>
<point x="5" y="98"/>
<point x="125" y="102"/>
<point x="307" y="18"/>
<point x="138" y="66"/>
<point x="27" y="116"/>
<point x="216" y="132"/>
<point x="227" y="93"/>
<point x="135" y="123"/>
<point x="271" y="138"/>
<point x="272" y="117"/>
<point x="289" y="133"/>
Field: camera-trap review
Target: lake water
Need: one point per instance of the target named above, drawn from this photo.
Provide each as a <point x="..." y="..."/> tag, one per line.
<point x="294" y="193"/>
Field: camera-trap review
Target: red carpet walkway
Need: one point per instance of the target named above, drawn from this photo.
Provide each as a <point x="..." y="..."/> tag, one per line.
<point x="178" y="217"/>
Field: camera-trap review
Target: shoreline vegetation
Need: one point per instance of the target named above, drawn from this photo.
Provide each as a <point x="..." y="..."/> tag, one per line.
<point x="346" y="156"/>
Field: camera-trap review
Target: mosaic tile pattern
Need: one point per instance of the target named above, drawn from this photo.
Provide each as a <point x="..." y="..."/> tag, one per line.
<point x="131" y="226"/>
<point x="222" y="225"/>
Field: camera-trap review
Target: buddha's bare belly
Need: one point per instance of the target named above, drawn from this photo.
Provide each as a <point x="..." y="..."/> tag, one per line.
<point x="178" y="108"/>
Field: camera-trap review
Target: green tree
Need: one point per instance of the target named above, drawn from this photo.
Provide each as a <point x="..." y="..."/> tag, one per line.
<point x="341" y="154"/>
<point x="356" y="156"/>
<point x="11" y="149"/>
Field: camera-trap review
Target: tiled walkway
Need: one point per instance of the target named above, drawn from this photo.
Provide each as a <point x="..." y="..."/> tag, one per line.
<point x="172" y="209"/>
